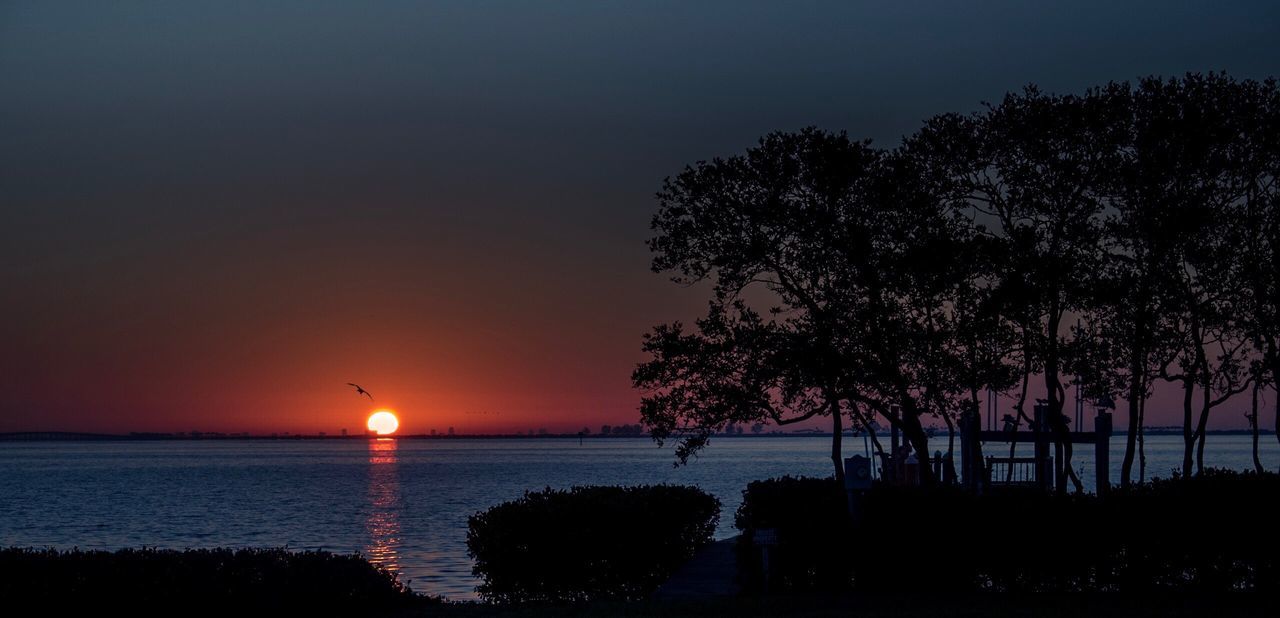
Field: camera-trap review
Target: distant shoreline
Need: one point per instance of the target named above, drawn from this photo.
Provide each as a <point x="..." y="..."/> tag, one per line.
<point x="66" y="436"/>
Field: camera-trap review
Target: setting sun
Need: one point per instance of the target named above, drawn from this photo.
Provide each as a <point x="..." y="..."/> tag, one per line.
<point x="383" y="422"/>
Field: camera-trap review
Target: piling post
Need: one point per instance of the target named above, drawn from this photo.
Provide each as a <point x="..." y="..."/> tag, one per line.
<point x="1102" y="452"/>
<point x="971" y="467"/>
<point x="1059" y="470"/>
<point x="894" y="473"/>
<point x="1044" y="473"/>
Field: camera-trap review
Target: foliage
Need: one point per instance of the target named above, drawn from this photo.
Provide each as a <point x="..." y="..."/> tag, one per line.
<point x="1196" y="161"/>
<point x="262" y="579"/>
<point x="588" y="543"/>
<point x="851" y="282"/>
<point x="808" y="514"/>
<point x="1017" y="542"/>
<point x="1031" y="172"/>
<point x="835" y="272"/>
<point x="764" y="225"/>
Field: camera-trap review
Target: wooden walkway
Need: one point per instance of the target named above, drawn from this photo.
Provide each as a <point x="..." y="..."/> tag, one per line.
<point x="710" y="573"/>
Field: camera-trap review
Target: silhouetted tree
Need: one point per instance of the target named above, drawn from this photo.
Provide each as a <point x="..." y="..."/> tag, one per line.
<point x="764" y="223"/>
<point x="1252" y="416"/>
<point x="1195" y="161"/>
<point x="1260" y="240"/>
<point x="987" y="343"/>
<point x="1031" y="169"/>
<point x="908" y="282"/>
<point x="853" y="283"/>
<point x="1128" y="338"/>
<point x="983" y="346"/>
<point x="852" y="258"/>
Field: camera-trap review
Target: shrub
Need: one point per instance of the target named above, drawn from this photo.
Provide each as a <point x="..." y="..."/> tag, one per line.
<point x="811" y="521"/>
<point x="588" y="543"/>
<point x="1213" y="531"/>
<point x="1201" y="534"/>
<point x="157" y="579"/>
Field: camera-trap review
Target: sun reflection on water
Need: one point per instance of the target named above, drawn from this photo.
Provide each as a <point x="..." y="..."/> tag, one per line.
<point x="383" y="523"/>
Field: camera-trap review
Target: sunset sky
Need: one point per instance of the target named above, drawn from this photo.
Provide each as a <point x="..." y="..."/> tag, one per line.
<point x="216" y="216"/>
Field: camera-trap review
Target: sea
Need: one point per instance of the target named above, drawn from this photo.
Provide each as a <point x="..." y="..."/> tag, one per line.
<point x="403" y="503"/>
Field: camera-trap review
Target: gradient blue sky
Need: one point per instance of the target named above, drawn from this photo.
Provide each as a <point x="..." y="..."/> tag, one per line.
<point x="217" y="214"/>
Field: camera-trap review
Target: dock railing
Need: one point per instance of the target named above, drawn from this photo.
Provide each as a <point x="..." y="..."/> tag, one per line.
<point x="1013" y="472"/>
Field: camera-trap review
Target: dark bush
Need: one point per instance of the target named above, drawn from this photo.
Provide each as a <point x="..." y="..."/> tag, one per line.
<point x="810" y="518"/>
<point x="588" y="543"/>
<point x="1203" y="534"/>
<point x="154" y="579"/>
<point x="1214" y="531"/>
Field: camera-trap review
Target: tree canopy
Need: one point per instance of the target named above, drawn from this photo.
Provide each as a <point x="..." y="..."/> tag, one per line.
<point x="1106" y="239"/>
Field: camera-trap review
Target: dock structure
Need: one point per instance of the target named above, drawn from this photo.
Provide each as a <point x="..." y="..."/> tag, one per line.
<point x="1044" y="470"/>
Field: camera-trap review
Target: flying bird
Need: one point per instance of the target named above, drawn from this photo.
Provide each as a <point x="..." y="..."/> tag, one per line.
<point x="361" y="391"/>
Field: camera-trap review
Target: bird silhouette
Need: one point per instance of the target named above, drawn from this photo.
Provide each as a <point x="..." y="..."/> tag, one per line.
<point x="361" y="391"/>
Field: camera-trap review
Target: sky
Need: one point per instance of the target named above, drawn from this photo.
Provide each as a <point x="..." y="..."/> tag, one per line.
<point x="215" y="215"/>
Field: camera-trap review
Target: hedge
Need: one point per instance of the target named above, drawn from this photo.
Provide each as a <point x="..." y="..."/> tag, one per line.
<point x="588" y="543"/>
<point x="181" y="581"/>
<point x="1207" y="534"/>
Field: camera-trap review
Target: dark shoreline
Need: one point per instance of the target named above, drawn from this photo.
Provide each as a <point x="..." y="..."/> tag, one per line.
<point x="68" y="436"/>
<point x="284" y="581"/>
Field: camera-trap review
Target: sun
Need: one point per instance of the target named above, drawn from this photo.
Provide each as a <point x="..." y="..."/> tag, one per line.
<point x="383" y="422"/>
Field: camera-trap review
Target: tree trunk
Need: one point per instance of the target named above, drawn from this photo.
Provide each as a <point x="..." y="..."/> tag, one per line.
<point x="837" y="435"/>
<point x="1058" y="425"/>
<point x="1200" y="367"/>
<point x="1188" y="438"/>
<point x="866" y="426"/>
<point x="949" y="463"/>
<point x="1275" y="385"/>
<point x="1054" y="391"/>
<point x="914" y="432"/>
<point x="1136" y="392"/>
<point x="1020" y="408"/>
<point x="1253" y="425"/>
<point x="1137" y="388"/>
<point x="1203" y="424"/>
<point x="971" y="446"/>
<point x="1142" y="442"/>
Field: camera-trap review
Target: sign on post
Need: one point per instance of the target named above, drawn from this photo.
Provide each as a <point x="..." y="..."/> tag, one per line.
<point x="857" y="473"/>
<point x="765" y="536"/>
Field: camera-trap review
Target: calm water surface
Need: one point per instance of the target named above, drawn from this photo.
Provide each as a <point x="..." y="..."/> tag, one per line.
<point x="402" y="503"/>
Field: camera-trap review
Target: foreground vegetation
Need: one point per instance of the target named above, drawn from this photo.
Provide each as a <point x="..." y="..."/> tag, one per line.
<point x="588" y="543"/>
<point x="248" y="579"/>
<point x="1113" y="239"/>
<point x="1017" y="543"/>
<point x="921" y="605"/>
<point x="602" y="551"/>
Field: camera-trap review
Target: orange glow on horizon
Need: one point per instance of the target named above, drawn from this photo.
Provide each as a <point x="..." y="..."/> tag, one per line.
<point x="383" y="422"/>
